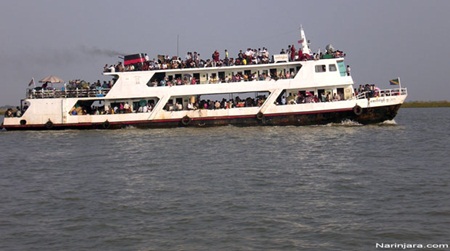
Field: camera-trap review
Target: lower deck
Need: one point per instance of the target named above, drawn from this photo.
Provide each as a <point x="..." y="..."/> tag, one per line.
<point x="356" y="114"/>
<point x="300" y="107"/>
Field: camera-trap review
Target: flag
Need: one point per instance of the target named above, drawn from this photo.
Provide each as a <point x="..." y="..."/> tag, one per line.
<point x="31" y="82"/>
<point x="300" y="41"/>
<point x="394" y="81"/>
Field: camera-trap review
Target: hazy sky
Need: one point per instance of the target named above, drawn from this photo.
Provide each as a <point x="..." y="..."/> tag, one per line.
<point x="383" y="39"/>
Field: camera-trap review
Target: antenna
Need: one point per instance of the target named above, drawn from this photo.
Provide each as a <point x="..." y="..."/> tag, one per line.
<point x="178" y="41"/>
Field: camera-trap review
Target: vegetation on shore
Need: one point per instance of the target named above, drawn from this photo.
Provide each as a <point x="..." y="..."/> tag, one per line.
<point x="3" y="109"/>
<point x="426" y="104"/>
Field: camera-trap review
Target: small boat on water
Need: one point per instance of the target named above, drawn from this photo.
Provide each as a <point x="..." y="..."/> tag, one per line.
<point x="297" y="87"/>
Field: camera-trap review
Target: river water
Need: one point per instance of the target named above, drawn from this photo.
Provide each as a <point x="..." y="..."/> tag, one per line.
<point x="333" y="187"/>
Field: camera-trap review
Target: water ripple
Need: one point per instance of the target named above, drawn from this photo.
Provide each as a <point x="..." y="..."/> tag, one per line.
<point x="333" y="187"/>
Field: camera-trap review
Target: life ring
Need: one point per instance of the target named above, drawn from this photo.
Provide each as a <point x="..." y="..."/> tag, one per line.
<point x="260" y="116"/>
<point x="106" y="124"/>
<point x="49" y="124"/>
<point x="357" y="110"/>
<point x="263" y="120"/>
<point x="186" y="120"/>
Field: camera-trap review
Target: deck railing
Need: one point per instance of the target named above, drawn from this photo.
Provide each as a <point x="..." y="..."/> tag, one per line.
<point x="84" y="93"/>
<point x="77" y="93"/>
<point x="382" y="93"/>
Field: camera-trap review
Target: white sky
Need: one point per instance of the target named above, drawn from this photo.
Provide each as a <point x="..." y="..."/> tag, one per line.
<point x="383" y="39"/>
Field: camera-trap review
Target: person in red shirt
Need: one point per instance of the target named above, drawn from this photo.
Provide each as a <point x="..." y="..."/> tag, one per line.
<point x="292" y="53"/>
<point x="215" y="57"/>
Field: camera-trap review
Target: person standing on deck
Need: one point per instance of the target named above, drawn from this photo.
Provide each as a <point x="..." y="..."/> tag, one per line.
<point x="292" y="54"/>
<point x="215" y="58"/>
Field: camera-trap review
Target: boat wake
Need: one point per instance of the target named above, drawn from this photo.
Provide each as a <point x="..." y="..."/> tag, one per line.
<point x="351" y="123"/>
<point x="345" y="123"/>
<point x="388" y="123"/>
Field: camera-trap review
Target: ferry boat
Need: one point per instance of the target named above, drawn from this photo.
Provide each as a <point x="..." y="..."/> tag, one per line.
<point x="300" y="89"/>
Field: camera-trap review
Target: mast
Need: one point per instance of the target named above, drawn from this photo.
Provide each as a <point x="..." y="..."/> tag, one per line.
<point x="304" y="42"/>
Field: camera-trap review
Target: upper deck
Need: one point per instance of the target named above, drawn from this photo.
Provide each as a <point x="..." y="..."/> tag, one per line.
<point x="321" y="72"/>
<point x="137" y="72"/>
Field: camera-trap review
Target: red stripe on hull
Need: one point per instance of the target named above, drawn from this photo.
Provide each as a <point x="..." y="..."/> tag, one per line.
<point x="368" y="116"/>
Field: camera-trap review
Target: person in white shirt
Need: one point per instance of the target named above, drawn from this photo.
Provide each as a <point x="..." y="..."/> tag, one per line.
<point x="126" y="107"/>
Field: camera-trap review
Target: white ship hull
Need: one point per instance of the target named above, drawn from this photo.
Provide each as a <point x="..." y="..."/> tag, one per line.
<point x="54" y="113"/>
<point x="261" y="101"/>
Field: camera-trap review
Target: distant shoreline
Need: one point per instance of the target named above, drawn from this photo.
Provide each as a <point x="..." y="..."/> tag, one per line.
<point x="409" y="104"/>
<point x="425" y="104"/>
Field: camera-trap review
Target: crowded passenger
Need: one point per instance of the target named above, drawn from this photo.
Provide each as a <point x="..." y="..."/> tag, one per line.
<point x="193" y="60"/>
<point x="9" y="113"/>
<point x="336" y="97"/>
<point x="18" y="112"/>
<point x="368" y="91"/>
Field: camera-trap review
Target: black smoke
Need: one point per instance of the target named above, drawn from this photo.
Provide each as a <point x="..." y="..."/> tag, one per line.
<point x="94" y="51"/>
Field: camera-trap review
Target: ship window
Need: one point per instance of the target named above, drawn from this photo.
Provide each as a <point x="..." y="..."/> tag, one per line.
<point x="273" y="72"/>
<point x="196" y="75"/>
<point x="342" y="68"/>
<point x="321" y="94"/>
<point x="213" y="78"/>
<point x="332" y="67"/>
<point x="321" y="68"/>
<point x="340" y="92"/>
<point x="226" y="100"/>
<point x="156" y="78"/>
<point x="221" y="76"/>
